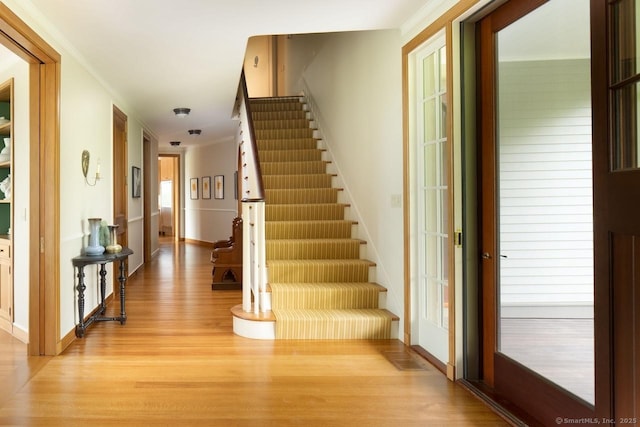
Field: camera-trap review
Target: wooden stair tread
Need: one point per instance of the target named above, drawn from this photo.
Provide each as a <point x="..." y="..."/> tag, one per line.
<point x="238" y="312"/>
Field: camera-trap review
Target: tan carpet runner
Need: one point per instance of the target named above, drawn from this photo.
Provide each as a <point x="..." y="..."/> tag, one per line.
<point x="320" y="287"/>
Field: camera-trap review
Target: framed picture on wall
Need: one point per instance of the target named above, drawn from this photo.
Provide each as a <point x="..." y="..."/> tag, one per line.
<point x="136" y="182"/>
<point x="206" y="187"/>
<point x="218" y="182"/>
<point x="194" y="188"/>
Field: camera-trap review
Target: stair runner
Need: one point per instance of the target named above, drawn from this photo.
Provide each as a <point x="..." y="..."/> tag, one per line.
<point x="320" y="287"/>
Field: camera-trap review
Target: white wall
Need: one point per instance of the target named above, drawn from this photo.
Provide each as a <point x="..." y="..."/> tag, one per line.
<point x="354" y="80"/>
<point x="208" y="220"/>
<point x="85" y="123"/>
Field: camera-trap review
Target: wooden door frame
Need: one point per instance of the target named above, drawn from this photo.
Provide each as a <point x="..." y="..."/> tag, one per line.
<point x="146" y="182"/>
<point x="444" y="22"/>
<point x="176" y="193"/>
<point x="44" y="175"/>
<point x="119" y="113"/>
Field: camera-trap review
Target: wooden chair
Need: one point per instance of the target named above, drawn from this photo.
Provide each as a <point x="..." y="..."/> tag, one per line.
<point x="226" y="258"/>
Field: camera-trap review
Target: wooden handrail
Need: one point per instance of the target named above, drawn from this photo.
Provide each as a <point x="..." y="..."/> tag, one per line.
<point x="251" y="164"/>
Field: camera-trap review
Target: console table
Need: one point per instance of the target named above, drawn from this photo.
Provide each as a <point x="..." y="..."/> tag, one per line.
<point x="79" y="263"/>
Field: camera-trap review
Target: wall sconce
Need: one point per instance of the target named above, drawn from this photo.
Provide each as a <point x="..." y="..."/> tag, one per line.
<point x="85" y="168"/>
<point x="195" y="132"/>
<point x="182" y="112"/>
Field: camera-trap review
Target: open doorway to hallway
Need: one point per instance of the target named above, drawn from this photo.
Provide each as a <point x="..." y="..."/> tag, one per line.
<point x="169" y="196"/>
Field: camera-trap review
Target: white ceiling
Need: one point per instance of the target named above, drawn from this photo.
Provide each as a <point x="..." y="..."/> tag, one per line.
<point x="161" y="54"/>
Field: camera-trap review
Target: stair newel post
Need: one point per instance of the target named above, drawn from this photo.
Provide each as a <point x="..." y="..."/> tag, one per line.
<point x="255" y="277"/>
<point x="246" y="257"/>
<point x="262" y="256"/>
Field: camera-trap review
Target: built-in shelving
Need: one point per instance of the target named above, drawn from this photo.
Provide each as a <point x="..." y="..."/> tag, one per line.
<point x="6" y="209"/>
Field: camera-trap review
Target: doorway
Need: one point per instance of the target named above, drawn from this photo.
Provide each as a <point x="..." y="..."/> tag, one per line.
<point x="169" y="196"/>
<point x="44" y="165"/>
<point x="536" y="244"/>
<point x="120" y="174"/>
<point x="431" y="247"/>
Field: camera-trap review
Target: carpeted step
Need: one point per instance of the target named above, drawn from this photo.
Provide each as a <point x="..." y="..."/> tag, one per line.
<point x="313" y="249"/>
<point x="283" y="133"/>
<point x="287" y="144"/>
<point x="278" y="115"/>
<point x="325" y="296"/>
<point x="293" y="168"/>
<point x="333" y="324"/>
<point x="307" y="212"/>
<point x="271" y="182"/>
<point x="319" y="270"/>
<point x="256" y="106"/>
<point x="281" y="124"/>
<point x="319" y="284"/>
<point x="308" y="229"/>
<point x="290" y="155"/>
<point x="302" y="195"/>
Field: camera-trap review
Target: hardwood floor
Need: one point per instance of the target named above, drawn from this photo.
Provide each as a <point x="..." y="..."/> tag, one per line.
<point x="176" y="362"/>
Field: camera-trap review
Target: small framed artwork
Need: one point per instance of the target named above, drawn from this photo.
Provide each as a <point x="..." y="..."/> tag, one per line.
<point x="206" y="187"/>
<point x="218" y="189"/>
<point x="194" y="188"/>
<point x="136" y="182"/>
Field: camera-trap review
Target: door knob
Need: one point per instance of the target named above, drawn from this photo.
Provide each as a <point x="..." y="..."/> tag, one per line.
<point x="486" y="255"/>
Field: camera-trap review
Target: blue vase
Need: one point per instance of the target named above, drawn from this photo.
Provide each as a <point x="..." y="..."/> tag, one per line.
<point x="94" y="247"/>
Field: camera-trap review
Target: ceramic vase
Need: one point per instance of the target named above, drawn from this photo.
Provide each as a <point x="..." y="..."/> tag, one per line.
<point x="94" y="247"/>
<point x="113" y="246"/>
<point x="5" y="153"/>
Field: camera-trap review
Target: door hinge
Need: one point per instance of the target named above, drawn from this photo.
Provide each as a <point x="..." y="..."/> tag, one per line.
<point x="41" y="245"/>
<point x="457" y="238"/>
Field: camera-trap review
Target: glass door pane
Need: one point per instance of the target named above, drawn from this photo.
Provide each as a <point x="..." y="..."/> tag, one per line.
<point x="433" y="193"/>
<point x="545" y="220"/>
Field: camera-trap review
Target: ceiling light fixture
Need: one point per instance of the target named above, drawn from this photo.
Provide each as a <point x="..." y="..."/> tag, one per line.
<point x="195" y="131"/>
<point x="174" y="143"/>
<point x="182" y="112"/>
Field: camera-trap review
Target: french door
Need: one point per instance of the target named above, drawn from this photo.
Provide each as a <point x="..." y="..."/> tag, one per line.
<point x="432" y="244"/>
<point x="537" y="221"/>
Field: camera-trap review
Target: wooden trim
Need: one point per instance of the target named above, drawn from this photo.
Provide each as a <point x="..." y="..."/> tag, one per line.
<point x="445" y="19"/>
<point x="451" y="205"/>
<point x="603" y="310"/>
<point x="406" y="202"/>
<point x="25" y="42"/>
<point x="487" y="162"/>
<point x="177" y="196"/>
<point x="36" y="327"/>
<point x="50" y="205"/>
<point x="146" y="203"/>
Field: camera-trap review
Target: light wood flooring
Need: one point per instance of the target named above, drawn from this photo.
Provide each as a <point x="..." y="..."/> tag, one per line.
<point x="176" y="362"/>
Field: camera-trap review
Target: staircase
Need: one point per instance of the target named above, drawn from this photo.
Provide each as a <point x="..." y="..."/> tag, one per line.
<point x="319" y="285"/>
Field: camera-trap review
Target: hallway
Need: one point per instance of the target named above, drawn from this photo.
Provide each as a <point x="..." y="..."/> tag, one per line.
<point x="176" y="362"/>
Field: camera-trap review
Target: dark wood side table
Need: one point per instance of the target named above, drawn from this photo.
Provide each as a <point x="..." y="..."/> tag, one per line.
<point x="79" y="263"/>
